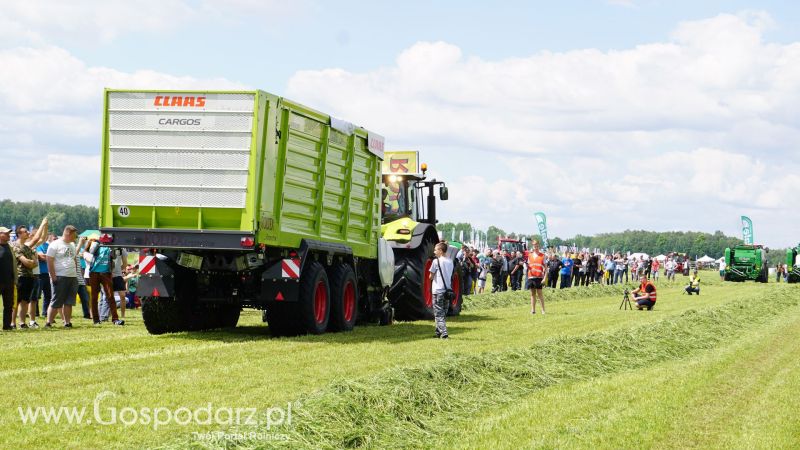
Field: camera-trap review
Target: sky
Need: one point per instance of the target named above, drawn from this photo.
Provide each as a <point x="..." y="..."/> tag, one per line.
<point x="606" y="115"/>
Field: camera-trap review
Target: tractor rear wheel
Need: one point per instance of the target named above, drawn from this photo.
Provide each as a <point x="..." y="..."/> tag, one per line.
<point x="410" y="294"/>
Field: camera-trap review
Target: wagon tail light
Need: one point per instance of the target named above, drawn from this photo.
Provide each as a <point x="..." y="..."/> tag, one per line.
<point x="106" y="238"/>
<point x="247" y="242"/>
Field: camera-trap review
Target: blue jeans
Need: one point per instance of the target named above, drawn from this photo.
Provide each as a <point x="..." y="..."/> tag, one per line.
<point x="44" y="282"/>
<point x="565" y="280"/>
<point x="83" y="293"/>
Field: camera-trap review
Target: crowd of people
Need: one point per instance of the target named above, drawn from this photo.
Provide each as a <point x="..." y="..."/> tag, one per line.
<point x="538" y="269"/>
<point x="562" y="270"/>
<point x="57" y="270"/>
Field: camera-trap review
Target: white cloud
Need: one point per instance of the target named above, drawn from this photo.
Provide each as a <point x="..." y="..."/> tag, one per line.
<point x="715" y="75"/>
<point x="50" y="120"/>
<point x="40" y="22"/>
<point x="700" y="119"/>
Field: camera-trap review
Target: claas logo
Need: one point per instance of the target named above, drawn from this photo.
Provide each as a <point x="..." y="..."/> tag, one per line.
<point x="166" y="100"/>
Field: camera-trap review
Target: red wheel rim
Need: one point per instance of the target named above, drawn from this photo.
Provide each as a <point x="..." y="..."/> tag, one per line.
<point x="456" y="288"/>
<point x="427" y="294"/>
<point x="320" y="302"/>
<point x="349" y="301"/>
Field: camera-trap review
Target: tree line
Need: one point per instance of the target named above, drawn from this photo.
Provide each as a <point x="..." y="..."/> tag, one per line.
<point x="31" y="214"/>
<point x="693" y="243"/>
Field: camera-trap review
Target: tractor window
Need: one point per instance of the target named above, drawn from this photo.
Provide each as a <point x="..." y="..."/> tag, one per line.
<point x="398" y="200"/>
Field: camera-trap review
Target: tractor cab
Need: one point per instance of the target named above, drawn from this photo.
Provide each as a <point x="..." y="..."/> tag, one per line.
<point x="403" y="194"/>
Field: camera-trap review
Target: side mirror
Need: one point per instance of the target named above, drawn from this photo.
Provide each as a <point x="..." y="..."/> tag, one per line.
<point x="443" y="193"/>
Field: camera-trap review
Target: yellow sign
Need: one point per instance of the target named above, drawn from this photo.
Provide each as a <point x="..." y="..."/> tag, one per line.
<point x="402" y="162"/>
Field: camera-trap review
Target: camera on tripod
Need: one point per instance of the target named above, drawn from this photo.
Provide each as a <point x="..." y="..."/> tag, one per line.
<point x="626" y="300"/>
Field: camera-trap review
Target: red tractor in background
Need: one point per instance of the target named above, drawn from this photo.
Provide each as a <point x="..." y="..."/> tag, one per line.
<point x="512" y="245"/>
<point x="682" y="260"/>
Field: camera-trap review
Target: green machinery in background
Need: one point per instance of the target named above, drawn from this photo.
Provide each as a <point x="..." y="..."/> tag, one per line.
<point x="793" y="264"/>
<point x="746" y="262"/>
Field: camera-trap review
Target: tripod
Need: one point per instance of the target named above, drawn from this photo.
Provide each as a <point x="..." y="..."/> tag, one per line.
<point x="626" y="301"/>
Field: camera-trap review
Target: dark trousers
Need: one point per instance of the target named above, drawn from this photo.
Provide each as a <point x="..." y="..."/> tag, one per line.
<point x="44" y="281"/>
<point x="577" y="278"/>
<point x="516" y="280"/>
<point x="496" y="281"/>
<point x="589" y="277"/>
<point x="552" y="278"/>
<point x="503" y="281"/>
<point x="565" y="279"/>
<point x="7" y="291"/>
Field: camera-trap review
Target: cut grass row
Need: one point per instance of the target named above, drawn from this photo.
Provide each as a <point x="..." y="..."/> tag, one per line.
<point x="247" y="368"/>
<point x="745" y="394"/>
<point x="410" y="406"/>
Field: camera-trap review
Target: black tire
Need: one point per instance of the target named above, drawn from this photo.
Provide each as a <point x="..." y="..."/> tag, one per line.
<point x="314" y="299"/>
<point x="229" y="316"/>
<point x="411" y="283"/>
<point x="454" y="308"/>
<point x="344" y="298"/>
<point x="282" y="319"/>
<point x="163" y="315"/>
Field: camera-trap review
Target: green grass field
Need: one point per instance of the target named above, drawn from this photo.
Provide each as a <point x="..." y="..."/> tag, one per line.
<point x="717" y="370"/>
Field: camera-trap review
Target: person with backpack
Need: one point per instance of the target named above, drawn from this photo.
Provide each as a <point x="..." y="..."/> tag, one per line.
<point x="100" y="268"/>
<point x="441" y="277"/>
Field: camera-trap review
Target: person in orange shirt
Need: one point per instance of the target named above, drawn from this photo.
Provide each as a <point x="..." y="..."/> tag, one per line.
<point x="645" y="294"/>
<point x="535" y="275"/>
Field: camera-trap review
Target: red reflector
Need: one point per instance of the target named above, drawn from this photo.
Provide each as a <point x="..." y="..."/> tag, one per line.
<point x="155" y="293"/>
<point x="247" y="241"/>
<point x="106" y="238"/>
<point x="279" y="297"/>
<point x="403" y="231"/>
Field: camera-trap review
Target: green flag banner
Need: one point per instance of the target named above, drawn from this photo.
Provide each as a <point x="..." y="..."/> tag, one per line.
<point x="541" y="221"/>
<point x="747" y="230"/>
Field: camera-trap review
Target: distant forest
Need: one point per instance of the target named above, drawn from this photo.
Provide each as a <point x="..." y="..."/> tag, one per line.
<point x="693" y="243"/>
<point x="31" y="214"/>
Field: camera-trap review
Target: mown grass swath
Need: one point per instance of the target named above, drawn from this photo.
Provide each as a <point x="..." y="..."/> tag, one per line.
<point x="406" y="407"/>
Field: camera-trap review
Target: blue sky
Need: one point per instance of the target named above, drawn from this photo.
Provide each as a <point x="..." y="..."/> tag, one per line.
<point x="607" y="115"/>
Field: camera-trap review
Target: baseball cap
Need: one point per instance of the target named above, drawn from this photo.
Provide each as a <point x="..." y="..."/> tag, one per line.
<point x="4" y="230"/>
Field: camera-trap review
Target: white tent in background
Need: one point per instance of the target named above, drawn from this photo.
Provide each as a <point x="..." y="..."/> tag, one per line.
<point x="638" y="256"/>
<point x="661" y="257"/>
<point x="706" y="259"/>
<point x="721" y="259"/>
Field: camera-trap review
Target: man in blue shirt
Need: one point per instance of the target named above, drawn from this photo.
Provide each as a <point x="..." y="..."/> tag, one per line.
<point x="566" y="271"/>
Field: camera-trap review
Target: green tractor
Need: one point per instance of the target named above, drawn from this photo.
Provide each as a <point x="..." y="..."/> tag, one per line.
<point x="409" y="226"/>
<point x="793" y="264"/>
<point x="746" y="262"/>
